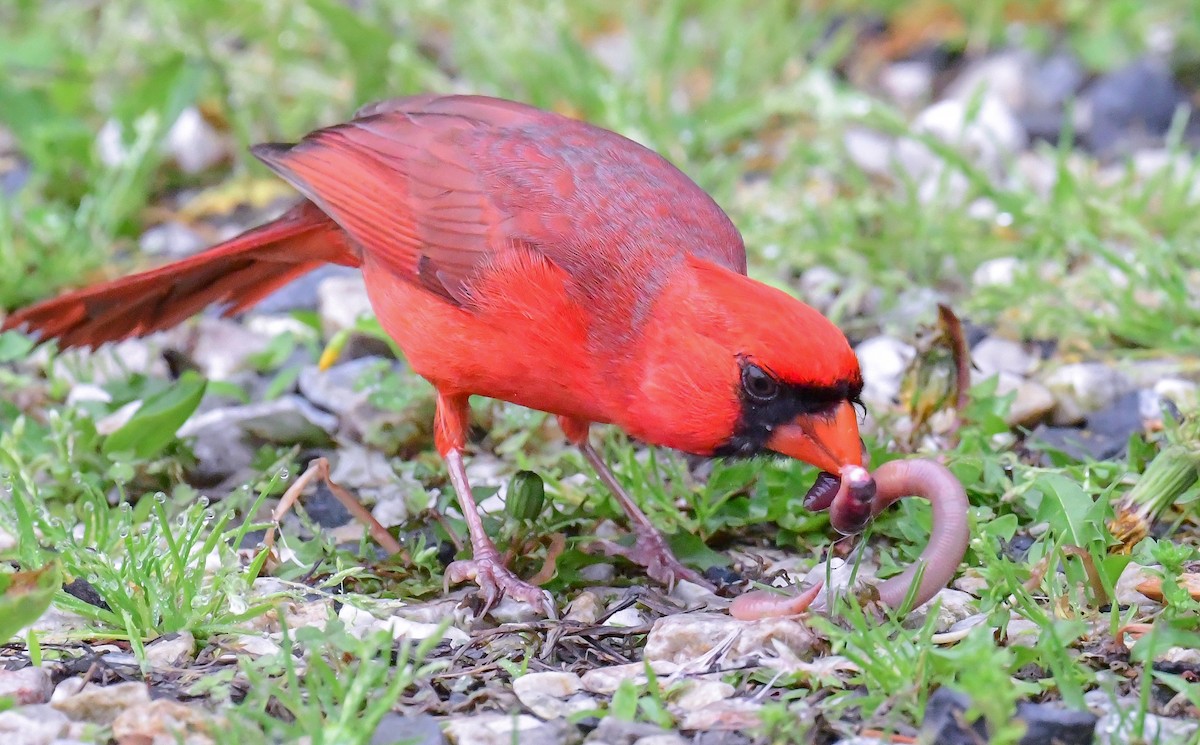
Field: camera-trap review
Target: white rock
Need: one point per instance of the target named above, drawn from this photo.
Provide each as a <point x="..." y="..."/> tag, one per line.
<point x="361" y="622"/>
<point x="1133" y="575"/>
<point x="162" y="722"/>
<point x="1084" y="387"/>
<point x="1127" y="726"/>
<point x="1004" y="75"/>
<point x="32" y="725"/>
<point x="873" y="152"/>
<point x="818" y="286"/>
<point x="85" y="392"/>
<point x="119" y="418"/>
<point x="585" y="608"/>
<point x="697" y="693"/>
<point x="691" y="638"/>
<point x="511" y="610"/>
<point x="605" y="680"/>
<point x="247" y="645"/>
<point x="737" y="714"/>
<point x="221" y="347"/>
<point x="491" y="729"/>
<point x="194" y="144"/>
<point x="993" y="355"/>
<point x="996" y="272"/>
<point x="626" y="617"/>
<point x="171" y="650"/>
<point x="341" y="301"/>
<point x="286" y="420"/>
<point x="598" y="574"/>
<point x="171" y="239"/>
<point x="1032" y="404"/>
<point x="552" y="694"/>
<point x="908" y="83"/>
<point x="111" y="362"/>
<point x="883" y="360"/>
<point x="98" y="704"/>
<point x="1183" y="393"/>
<point x="337" y="389"/>
<point x="29" y="685"/>
<point x="988" y="140"/>
<point x="954" y="606"/>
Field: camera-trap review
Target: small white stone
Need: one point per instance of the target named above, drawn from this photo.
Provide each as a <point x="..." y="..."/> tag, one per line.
<point x="1082" y="388"/>
<point x="1032" y="404"/>
<point x="994" y="354"/>
<point x="29" y="685"/>
<point x="996" y="272"/>
<point x="171" y="651"/>
<point x="908" y="83"/>
<point x="605" y="680"/>
<point x="883" y="360"/>
<point x="194" y="144"/>
<point x="698" y="693"/>
<point x="98" y="704"/>
<point x="33" y="725"/>
<point x="160" y="722"/>
<point x="689" y="638"/>
<point x="1183" y="393"/>
<point x="1005" y="75"/>
<point x="626" y="617"/>
<point x="873" y="152"/>
<point x="171" y="239"/>
<point x="341" y="301"/>
<point x="361" y="623"/>
<point x="551" y="694"/>
<point x="490" y="729"/>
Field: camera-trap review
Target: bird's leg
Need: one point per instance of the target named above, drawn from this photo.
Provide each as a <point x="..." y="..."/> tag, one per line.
<point x="318" y="470"/>
<point x="485" y="567"/>
<point x="650" y="549"/>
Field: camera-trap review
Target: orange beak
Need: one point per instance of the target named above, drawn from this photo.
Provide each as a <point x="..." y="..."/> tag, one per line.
<point x="828" y="441"/>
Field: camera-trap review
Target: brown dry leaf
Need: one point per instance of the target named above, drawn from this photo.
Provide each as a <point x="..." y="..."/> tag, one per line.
<point x="1152" y="588"/>
<point x="224" y="199"/>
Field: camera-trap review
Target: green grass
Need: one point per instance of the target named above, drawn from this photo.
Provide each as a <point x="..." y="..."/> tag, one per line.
<point x="744" y="100"/>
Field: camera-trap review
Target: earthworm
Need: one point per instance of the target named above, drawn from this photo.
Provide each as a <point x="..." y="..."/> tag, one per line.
<point x="893" y="480"/>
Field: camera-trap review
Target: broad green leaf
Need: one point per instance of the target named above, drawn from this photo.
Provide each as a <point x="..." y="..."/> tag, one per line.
<point x="14" y="346"/>
<point x="1067" y="507"/>
<point x="25" y="596"/>
<point x="154" y="425"/>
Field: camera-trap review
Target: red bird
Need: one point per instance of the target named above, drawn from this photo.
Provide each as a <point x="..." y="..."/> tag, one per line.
<point x="528" y="257"/>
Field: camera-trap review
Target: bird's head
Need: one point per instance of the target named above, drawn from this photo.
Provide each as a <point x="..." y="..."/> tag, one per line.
<point x="738" y="368"/>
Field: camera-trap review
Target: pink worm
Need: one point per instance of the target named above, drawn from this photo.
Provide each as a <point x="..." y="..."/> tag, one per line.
<point x="947" y="541"/>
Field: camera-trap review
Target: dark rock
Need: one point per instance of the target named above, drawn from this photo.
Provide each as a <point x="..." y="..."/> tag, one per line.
<point x="1053" y="81"/>
<point x="301" y="294"/>
<point x="943" y="721"/>
<point x="722" y="575"/>
<point x="325" y="509"/>
<point x="613" y="731"/>
<point x="394" y="728"/>
<point x="337" y="389"/>
<point x="82" y="589"/>
<point x="1049" y="724"/>
<point x="1105" y="434"/>
<point x="1046" y="724"/>
<point x="1131" y="108"/>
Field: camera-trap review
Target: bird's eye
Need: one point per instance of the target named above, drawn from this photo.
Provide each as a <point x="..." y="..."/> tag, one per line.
<point x="758" y="385"/>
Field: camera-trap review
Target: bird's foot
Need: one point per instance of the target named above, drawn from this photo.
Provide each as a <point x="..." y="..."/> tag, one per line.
<point x="651" y="551"/>
<point x="495" y="581"/>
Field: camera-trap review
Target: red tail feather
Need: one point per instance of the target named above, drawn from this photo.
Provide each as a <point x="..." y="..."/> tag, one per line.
<point x="238" y="273"/>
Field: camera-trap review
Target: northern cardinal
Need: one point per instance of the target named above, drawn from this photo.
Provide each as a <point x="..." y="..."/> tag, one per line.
<point x="525" y="256"/>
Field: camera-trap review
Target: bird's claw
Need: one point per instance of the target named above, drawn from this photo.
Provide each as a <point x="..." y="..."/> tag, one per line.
<point x="496" y="581"/>
<point x="651" y="551"/>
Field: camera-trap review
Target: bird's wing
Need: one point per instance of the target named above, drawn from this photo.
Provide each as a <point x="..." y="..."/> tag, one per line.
<point x="435" y="187"/>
